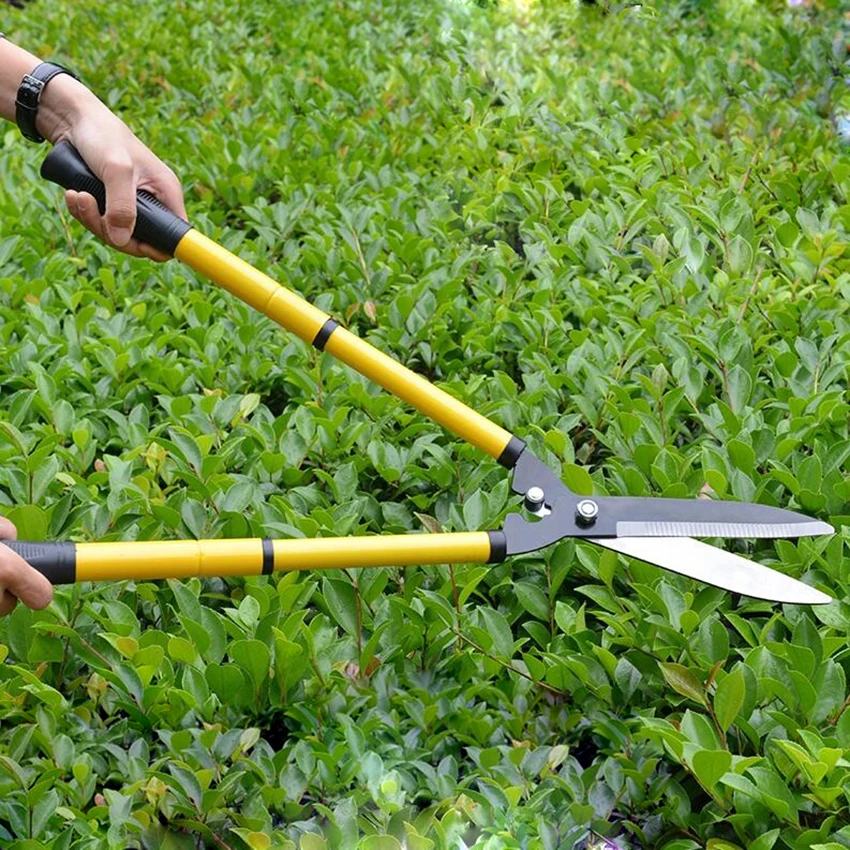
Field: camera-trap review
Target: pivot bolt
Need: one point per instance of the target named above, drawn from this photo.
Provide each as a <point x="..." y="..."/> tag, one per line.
<point x="534" y="498"/>
<point x="586" y="512"/>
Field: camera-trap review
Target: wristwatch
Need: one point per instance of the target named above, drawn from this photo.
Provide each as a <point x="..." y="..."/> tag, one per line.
<point x="29" y="95"/>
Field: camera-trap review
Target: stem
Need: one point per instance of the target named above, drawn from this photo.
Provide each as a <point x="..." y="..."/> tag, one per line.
<point x="67" y="230"/>
<point x="507" y="665"/>
<point x="361" y="259"/>
<point x="835" y="717"/>
<point x="749" y="296"/>
<point x="454" y="587"/>
<point x="358" y="609"/>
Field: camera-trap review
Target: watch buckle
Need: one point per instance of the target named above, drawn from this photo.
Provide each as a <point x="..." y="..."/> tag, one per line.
<point x="34" y="81"/>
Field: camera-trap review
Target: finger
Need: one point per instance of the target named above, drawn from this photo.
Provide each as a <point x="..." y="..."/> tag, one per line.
<point x="72" y="199"/>
<point x="119" y="179"/>
<point x="19" y="578"/>
<point x="7" y="529"/>
<point x="151" y="253"/>
<point x="170" y="192"/>
<point x="84" y="208"/>
<point x="8" y="601"/>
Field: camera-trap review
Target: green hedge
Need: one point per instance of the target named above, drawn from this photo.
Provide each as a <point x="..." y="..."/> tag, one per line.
<point x="622" y="236"/>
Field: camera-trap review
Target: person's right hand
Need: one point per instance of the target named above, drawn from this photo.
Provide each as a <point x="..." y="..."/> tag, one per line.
<point x="18" y="580"/>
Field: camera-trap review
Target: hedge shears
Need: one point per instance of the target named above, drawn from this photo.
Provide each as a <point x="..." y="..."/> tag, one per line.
<point x="656" y="530"/>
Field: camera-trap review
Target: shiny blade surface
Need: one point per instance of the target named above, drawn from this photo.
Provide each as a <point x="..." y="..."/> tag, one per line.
<point x="642" y="517"/>
<point x="716" y="567"/>
<point x="660" y="528"/>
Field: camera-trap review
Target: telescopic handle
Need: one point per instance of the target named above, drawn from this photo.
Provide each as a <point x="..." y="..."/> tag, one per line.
<point x="151" y="560"/>
<point x="155" y="223"/>
<point x="159" y="227"/>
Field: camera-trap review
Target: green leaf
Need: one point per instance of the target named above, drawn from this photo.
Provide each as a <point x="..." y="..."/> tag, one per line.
<point x="226" y="681"/>
<point x="765" y="841"/>
<point x="30" y="520"/>
<point x="379" y="842"/>
<point x="683" y="681"/>
<point x="628" y="677"/>
<point x="180" y="649"/>
<point x="311" y="841"/>
<point x="475" y="511"/>
<point x="342" y="603"/>
<point x="497" y="627"/>
<point x="729" y="698"/>
<point x="533" y="600"/>
<point x="740" y="386"/>
<point x="253" y="657"/>
<point x="710" y="765"/>
<point x="577" y="478"/>
<point x="740" y="255"/>
<point x="699" y="730"/>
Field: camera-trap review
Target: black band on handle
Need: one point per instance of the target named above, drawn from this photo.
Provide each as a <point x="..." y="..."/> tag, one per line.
<point x="324" y="334"/>
<point x="511" y="453"/>
<point x="155" y="223"/>
<point x="56" y="561"/>
<point x="498" y="547"/>
<point x="268" y="556"/>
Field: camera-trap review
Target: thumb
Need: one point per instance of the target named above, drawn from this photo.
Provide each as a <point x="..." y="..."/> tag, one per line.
<point x="119" y="180"/>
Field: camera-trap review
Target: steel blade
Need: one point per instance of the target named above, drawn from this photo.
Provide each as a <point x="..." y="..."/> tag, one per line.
<point x="659" y="528"/>
<point x="716" y="567"/>
<point x="656" y="517"/>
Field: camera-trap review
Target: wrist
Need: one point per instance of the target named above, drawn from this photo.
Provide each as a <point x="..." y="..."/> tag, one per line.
<point x="63" y="102"/>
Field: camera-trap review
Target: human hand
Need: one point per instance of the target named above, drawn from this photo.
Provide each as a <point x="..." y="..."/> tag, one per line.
<point x="69" y="111"/>
<point x="18" y="580"/>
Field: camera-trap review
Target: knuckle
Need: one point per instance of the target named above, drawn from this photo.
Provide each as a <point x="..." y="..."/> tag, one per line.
<point x="120" y="212"/>
<point x="117" y="166"/>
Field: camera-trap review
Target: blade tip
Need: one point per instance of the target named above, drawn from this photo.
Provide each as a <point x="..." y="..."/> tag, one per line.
<point x="821" y="599"/>
<point x="812" y="596"/>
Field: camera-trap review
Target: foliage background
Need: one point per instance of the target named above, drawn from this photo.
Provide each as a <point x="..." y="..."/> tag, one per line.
<point x="624" y="237"/>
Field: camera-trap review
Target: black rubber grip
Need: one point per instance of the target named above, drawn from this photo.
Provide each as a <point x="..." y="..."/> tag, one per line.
<point x="56" y="561"/>
<point x="155" y="223"/>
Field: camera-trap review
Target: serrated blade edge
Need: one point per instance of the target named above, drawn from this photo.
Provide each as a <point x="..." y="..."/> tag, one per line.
<point x="716" y="567"/>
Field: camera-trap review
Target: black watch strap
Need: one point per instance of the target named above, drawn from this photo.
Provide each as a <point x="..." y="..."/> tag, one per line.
<point x="29" y="95"/>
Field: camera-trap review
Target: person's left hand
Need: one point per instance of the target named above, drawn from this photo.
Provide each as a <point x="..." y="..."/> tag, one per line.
<point x="69" y="111"/>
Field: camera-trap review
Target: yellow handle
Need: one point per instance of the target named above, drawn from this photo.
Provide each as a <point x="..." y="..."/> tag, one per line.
<point x="317" y="328"/>
<point x="152" y="560"/>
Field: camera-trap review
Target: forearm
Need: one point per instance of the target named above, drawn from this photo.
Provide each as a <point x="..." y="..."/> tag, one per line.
<point x="62" y="102"/>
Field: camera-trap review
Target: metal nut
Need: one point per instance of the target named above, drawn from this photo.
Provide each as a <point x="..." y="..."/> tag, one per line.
<point x="586" y="512"/>
<point x="534" y="499"/>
